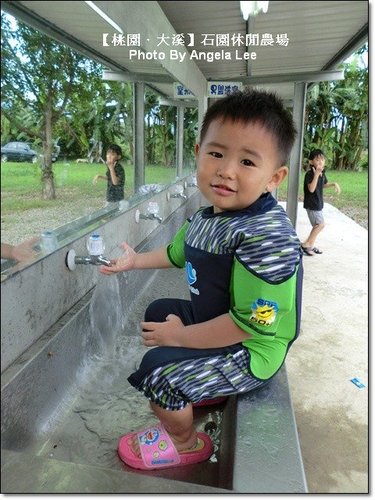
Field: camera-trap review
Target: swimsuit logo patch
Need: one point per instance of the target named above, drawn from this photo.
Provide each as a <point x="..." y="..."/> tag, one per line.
<point x="264" y="312"/>
<point x="191" y="275"/>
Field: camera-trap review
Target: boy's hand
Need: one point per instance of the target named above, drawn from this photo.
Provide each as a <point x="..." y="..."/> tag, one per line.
<point x="123" y="263"/>
<point x="337" y="188"/>
<point x="161" y="334"/>
<point x="318" y="169"/>
<point x="95" y="179"/>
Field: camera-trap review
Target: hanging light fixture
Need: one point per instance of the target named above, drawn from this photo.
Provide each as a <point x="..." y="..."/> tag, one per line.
<point x="253" y="8"/>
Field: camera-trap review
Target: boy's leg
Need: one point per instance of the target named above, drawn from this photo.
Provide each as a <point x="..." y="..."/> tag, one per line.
<point x="317" y="221"/>
<point x="180" y="376"/>
<point x="310" y="242"/>
<point x="178" y="424"/>
<point x="159" y="309"/>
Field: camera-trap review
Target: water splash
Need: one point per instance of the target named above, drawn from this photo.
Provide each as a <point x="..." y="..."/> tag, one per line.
<point x="105" y="406"/>
<point x="106" y="317"/>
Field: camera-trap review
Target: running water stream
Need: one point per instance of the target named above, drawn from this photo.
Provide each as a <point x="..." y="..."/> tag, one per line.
<point x="103" y="405"/>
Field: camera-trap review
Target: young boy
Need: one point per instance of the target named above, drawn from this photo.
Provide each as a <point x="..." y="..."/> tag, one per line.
<point x="115" y="175"/>
<point x="243" y="265"/>
<point x="314" y="182"/>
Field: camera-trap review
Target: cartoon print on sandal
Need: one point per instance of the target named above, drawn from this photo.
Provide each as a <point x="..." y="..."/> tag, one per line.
<point x="158" y="451"/>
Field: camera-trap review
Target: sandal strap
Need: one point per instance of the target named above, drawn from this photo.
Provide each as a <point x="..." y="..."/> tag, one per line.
<point x="307" y="250"/>
<point x="157" y="448"/>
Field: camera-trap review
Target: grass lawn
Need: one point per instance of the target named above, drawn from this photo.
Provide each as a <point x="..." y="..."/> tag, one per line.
<point x="353" y="199"/>
<point x="21" y="188"/>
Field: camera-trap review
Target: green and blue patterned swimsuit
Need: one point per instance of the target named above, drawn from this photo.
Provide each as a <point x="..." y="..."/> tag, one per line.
<point x="246" y="263"/>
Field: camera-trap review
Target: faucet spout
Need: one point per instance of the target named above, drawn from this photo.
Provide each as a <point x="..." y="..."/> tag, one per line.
<point x="159" y="219"/>
<point x="151" y="217"/>
<point x="179" y="195"/>
<point x="72" y="260"/>
<point x="103" y="260"/>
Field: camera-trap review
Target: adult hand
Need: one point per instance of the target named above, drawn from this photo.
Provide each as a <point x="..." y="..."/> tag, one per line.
<point x="165" y="333"/>
<point x="95" y="179"/>
<point x="123" y="263"/>
<point x="23" y="252"/>
<point x="337" y="188"/>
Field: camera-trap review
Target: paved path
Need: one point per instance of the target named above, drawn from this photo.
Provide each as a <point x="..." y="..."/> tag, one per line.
<point x="331" y="412"/>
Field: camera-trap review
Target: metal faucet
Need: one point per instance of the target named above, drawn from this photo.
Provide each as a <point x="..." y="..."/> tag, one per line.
<point x="152" y="213"/>
<point x="178" y="192"/>
<point x="95" y="260"/>
<point x="179" y="195"/>
<point x="193" y="181"/>
<point x="151" y="217"/>
<point x="72" y="260"/>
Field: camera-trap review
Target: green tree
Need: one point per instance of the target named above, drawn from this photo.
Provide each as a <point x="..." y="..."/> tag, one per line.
<point x="103" y="114"/>
<point x="41" y="76"/>
<point x="336" y="116"/>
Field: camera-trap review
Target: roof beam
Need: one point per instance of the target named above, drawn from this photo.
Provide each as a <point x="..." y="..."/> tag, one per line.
<point x="136" y="77"/>
<point x="147" y="19"/>
<point x="351" y="46"/>
<point x="313" y="76"/>
<point x="31" y="18"/>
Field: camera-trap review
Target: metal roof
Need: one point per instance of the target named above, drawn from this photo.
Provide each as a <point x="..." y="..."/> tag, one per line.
<point x="308" y="37"/>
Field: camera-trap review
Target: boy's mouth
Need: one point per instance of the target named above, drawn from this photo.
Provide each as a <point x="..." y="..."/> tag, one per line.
<point x="222" y="189"/>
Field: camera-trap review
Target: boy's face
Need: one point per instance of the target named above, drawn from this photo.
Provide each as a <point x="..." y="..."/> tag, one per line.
<point x="318" y="162"/>
<point x="236" y="163"/>
<point x="112" y="156"/>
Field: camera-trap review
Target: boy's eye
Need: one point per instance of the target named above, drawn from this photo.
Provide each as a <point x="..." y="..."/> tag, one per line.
<point x="215" y="154"/>
<point x="247" y="163"/>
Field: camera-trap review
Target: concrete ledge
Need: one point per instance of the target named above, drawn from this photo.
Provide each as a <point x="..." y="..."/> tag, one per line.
<point x="22" y="473"/>
<point x="267" y="455"/>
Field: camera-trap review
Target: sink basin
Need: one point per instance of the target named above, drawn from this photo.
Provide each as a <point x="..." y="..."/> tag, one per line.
<point x="67" y="398"/>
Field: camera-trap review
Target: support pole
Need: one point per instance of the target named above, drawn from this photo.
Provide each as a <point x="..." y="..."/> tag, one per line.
<point x="296" y="154"/>
<point x="139" y="135"/>
<point x="180" y="141"/>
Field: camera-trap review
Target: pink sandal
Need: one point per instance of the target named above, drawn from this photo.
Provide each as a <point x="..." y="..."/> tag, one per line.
<point x="158" y="451"/>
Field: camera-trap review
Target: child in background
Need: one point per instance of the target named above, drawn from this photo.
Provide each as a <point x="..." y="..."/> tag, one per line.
<point x="314" y="183"/>
<point x="115" y="175"/>
<point x="243" y="266"/>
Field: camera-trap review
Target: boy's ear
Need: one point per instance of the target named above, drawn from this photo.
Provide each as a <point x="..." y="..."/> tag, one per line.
<point x="197" y="148"/>
<point x="277" y="178"/>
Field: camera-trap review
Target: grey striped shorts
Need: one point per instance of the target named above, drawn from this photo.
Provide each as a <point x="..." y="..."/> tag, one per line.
<point x="173" y="385"/>
<point x="172" y="377"/>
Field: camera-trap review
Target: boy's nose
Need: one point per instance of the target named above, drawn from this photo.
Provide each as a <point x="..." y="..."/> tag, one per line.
<point x="227" y="170"/>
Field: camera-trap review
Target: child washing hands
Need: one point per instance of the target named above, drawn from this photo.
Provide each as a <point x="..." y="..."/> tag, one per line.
<point x="243" y="265"/>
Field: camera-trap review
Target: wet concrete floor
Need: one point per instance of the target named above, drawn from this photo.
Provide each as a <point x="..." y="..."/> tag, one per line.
<point x="331" y="412"/>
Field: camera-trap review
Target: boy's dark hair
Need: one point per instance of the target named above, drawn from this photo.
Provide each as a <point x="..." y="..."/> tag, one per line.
<point x="116" y="149"/>
<point x="254" y="106"/>
<point x="314" y="153"/>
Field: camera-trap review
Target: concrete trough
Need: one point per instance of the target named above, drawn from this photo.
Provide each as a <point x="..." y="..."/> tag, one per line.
<point x="66" y="401"/>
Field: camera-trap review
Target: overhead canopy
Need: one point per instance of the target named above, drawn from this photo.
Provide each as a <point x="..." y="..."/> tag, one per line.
<point x="309" y="37"/>
<point x="292" y="44"/>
